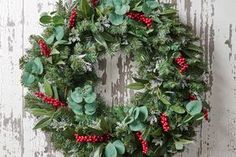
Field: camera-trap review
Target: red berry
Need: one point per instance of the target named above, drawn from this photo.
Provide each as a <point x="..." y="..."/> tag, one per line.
<point x="143" y="142"/>
<point x="45" y="50"/>
<point x="72" y="20"/>
<point x="138" y="16"/>
<point x="49" y="100"/>
<point x="164" y="122"/>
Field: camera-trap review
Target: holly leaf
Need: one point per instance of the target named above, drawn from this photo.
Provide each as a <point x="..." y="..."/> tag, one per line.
<point x="120" y="147"/>
<point x="194" y="107"/>
<point x="110" y="150"/>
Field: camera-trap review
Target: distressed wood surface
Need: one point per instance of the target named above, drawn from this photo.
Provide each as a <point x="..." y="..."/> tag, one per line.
<point x="213" y="21"/>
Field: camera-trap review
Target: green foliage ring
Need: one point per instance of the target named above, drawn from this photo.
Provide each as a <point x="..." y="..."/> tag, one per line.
<point x="59" y="73"/>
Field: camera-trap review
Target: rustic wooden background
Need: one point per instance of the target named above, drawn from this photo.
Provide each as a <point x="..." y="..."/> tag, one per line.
<point x="212" y="20"/>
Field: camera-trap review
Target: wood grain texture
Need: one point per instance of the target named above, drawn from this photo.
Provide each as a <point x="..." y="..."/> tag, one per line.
<point x="213" y="21"/>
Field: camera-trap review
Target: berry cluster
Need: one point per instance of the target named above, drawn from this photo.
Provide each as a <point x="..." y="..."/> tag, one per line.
<point x="49" y="100"/>
<point x="164" y="122"/>
<point x="143" y="142"/>
<point x="92" y="138"/>
<point x="45" y="50"/>
<point x="72" y="20"/>
<point x="205" y="113"/>
<point x="140" y="17"/>
<point x="94" y="3"/>
<point x="181" y="61"/>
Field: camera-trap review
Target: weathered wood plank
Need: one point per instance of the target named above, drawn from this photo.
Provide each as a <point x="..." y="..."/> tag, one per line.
<point x="10" y="88"/>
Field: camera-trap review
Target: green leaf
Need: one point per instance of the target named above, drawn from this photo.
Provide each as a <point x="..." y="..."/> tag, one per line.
<point x="43" y="123"/>
<point x="136" y="126"/>
<point x="136" y="86"/>
<point x="37" y="66"/>
<point x="55" y="92"/>
<point x="85" y="8"/>
<point x="141" y="80"/>
<point x="143" y="113"/>
<point x="41" y="112"/>
<point x="90" y="98"/>
<point x="99" y="38"/>
<point x="110" y="150"/>
<point x="50" y="40"/>
<point x="164" y="100"/>
<point x="121" y="10"/>
<point x="177" y="109"/>
<point x="152" y="4"/>
<point x="27" y="78"/>
<point x="59" y="32"/>
<point x="97" y="152"/>
<point x="116" y="19"/>
<point x="168" y="12"/>
<point x="194" y="107"/>
<point x="47" y="88"/>
<point x="90" y="109"/>
<point x="55" y="52"/>
<point x="45" y="19"/>
<point x="120" y="147"/>
<point x="58" y="20"/>
<point x="178" y="145"/>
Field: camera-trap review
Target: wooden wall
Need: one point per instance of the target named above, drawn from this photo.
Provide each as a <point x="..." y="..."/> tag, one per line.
<point x="213" y="21"/>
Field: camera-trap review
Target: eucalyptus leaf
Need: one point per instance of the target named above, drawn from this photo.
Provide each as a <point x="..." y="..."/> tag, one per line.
<point x="27" y="78"/>
<point x="90" y="98"/>
<point x="116" y="19"/>
<point x="110" y="150"/>
<point x="194" y="107"/>
<point x="59" y="32"/>
<point x="120" y="147"/>
<point x="136" y="126"/>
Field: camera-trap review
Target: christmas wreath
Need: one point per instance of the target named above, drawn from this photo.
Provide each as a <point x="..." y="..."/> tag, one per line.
<point x="58" y="71"/>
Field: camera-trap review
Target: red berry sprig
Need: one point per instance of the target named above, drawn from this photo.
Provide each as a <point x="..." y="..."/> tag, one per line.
<point x="143" y="142"/>
<point x="181" y="61"/>
<point x="140" y="17"/>
<point x="205" y="113"/>
<point x="49" y="100"/>
<point x="92" y="138"/>
<point x="94" y="3"/>
<point x="45" y="50"/>
<point x="164" y="122"/>
<point x="72" y="20"/>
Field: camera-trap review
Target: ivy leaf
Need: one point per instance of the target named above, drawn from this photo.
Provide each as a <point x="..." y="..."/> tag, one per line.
<point x="43" y="123"/>
<point x="120" y="147"/>
<point x="194" y="107"/>
<point x="177" y="109"/>
<point x="47" y="88"/>
<point x="59" y="32"/>
<point x="110" y="150"/>
<point x="45" y="19"/>
<point x="136" y="86"/>
<point x="116" y="19"/>
<point x="27" y="78"/>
